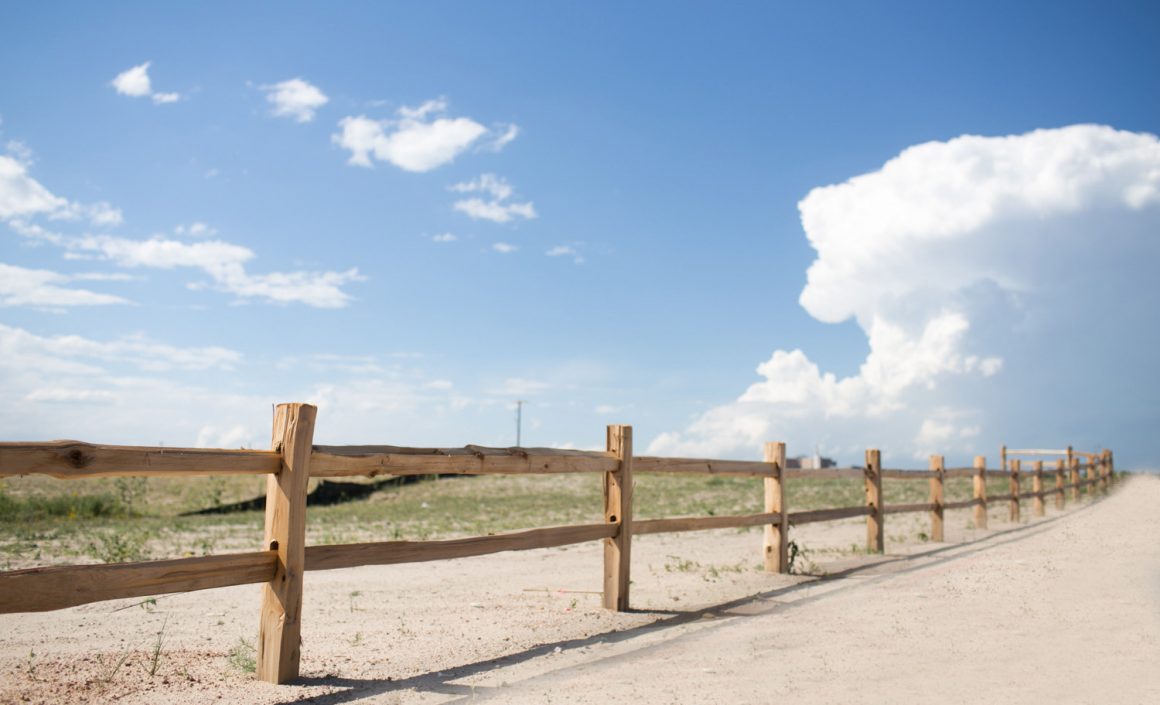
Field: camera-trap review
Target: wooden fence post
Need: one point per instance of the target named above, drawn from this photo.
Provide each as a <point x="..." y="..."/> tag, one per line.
<point x="618" y="510"/>
<point x="1059" y="499"/>
<point x="1104" y="474"/>
<point x="1111" y="468"/>
<point x="1037" y="508"/>
<point x="1014" y="485"/>
<point x="938" y="465"/>
<point x="776" y="545"/>
<point x="1073" y="472"/>
<point x="980" y="493"/>
<point x="280" y="626"/>
<point x="875" y="530"/>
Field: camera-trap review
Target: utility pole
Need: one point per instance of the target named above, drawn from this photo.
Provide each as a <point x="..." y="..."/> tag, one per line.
<point x="519" y="419"/>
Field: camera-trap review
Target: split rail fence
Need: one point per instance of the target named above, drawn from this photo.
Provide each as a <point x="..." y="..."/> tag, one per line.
<point x="294" y="459"/>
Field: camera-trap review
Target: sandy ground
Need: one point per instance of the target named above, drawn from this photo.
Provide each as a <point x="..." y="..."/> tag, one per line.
<point x="1064" y="609"/>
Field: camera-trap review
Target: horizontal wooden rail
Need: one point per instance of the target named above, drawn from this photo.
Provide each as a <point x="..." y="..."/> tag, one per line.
<point x="825" y="474"/>
<point x="906" y="508"/>
<point x="997" y="473"/>
<point x="57" y="587"/>
<point x="346" y="461"/>
<point x="664" y="526"/>
<point x="961" y="505"/>
<point x="746" y="468"/>
<point x="908" y="474"/>
<point x="390" y="552"/>
<point x="68" y="460"/>
<point x="998" y="497"/>
<point x="815" y="515"/>
<point x="961" y="472"/>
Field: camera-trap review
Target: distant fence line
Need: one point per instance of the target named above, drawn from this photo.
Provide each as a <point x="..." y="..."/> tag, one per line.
<point x="294" y="459"/>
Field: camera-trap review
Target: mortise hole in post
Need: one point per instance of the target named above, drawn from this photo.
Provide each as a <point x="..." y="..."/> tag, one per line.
<point x="273" y="545"/>
<point x="612" y="518"/>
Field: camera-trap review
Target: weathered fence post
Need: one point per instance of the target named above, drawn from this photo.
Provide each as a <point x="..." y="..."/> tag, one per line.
<point x="1014" y="486"/>
<point x="618" y="510"/>
<point x="776" y="548"/>
<point x="1059" y="499"/>
<point x="1073" y="472"/>
<point x="1111" y="468"/>
<point x="1037" y="508"/>
<point x="980" y="493"/>
<point x="1104" y="474"/>
<point x="875" y="529"/>
<point x="280" y="626"/>
<point x="938" y="465"/>
<point x="1089" y="474"/>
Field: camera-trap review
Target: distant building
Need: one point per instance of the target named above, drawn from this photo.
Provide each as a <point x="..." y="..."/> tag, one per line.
<point x="810" y="462"/>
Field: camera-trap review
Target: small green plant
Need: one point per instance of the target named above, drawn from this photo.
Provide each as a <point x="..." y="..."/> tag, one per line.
<point x="243" y="656"/>
<point x="676" y="564"/>
<point x="354" y="605"/>
<point x="357" y="640"/>
<point x="130" y="491"/>
<point x="155" y="653"/>
<point x="118" y="548"/>
<point x="108" y="672"/>
<point x="30" y="667"/>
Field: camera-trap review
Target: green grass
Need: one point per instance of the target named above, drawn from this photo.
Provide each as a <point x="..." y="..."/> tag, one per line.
<point x="45" y="521"/>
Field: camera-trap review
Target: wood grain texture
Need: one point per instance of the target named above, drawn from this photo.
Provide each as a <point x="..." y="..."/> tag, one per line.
<point x="700" y="466"/>
<point x="69" y="460"/>
<point x="57" y="587"/>
<point x="775" y="537"/>
<point x="393" y="552"/>
<point x="1037" y="507"/>
<point x="618" y="512"/>
<point x="824" y="474"/>
<point x="963" y="504"/>
<point x="815" y="515"/>
<point x="979" y="486"/>
<point x="937" y="466"/>
<point x="280" y="624"/>
<point x="1013" y="489"/>
<point x="1073" y="469"/>
<point x="676" y="524"/>
<point x="875" y="519"/>
<point x="907" y="474"/>
<point x="908" y="508"/>
<point x="371" y="461"/>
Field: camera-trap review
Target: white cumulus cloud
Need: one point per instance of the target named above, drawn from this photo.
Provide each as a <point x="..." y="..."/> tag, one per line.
<point x="419" y="139"/>
<point x="295" y="98"/>
<point x="960" y="261"/>
<point x="135" y="82"/>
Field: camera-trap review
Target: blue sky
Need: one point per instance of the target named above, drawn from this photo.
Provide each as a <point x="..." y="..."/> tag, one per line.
<point x="187" y="240"/>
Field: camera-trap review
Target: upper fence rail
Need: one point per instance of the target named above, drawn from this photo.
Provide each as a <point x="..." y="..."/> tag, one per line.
<point x="77" y="459"/>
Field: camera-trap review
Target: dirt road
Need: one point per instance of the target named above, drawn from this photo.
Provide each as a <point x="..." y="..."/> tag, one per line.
<point x="1058" y="610"/>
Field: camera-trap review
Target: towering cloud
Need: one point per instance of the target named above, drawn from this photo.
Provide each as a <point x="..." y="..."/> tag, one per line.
<point x="963" y="262"/>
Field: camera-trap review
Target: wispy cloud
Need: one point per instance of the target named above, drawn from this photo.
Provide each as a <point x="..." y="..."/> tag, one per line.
<point x="41" y="288"/>
<point x="22" y="199"/>
<point x="566" y="251"/>
<point x="496" y="207"/>
<point x="295" y="98"/>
